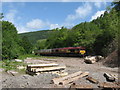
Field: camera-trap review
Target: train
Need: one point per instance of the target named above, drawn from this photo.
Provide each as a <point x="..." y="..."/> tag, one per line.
<point x="66" y="51"/>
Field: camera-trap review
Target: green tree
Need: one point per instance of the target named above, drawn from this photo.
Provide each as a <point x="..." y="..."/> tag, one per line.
<point x="41" y="44"/>
<point x="10" y="41"/>
<point x="25" y="43"/>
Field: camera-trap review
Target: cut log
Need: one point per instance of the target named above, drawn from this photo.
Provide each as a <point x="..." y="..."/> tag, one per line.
<point x="92" y="80"/>
<point x="70" y="80"/>
<point x="108" y="85"/>
<point x="57" y="80"/>
<point x="109" y="77"/>
<point x="42" y="65"/>
<point x="47" y="69"/>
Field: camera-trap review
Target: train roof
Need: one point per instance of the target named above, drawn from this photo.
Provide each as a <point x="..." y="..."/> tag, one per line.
<point x="71" y="48"/>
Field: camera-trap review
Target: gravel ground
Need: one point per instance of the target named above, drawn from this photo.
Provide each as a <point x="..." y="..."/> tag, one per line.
<point x="44" y="80"/>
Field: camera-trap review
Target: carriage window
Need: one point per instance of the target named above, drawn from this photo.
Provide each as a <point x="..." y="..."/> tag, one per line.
<point x="72" y="50"/>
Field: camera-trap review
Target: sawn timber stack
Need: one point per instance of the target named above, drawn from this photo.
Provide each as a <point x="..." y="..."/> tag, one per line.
<point x="40" y="68"/>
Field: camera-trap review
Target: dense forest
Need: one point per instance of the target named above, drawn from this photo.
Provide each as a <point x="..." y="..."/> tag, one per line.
<point x="100" y="36"/>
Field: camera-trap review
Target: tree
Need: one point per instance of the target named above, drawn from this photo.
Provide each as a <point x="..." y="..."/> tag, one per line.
<point x="1" y="15"/>
<point x="10" y="41"/>
<point x="25" y="43"/>
<point x="41" y="44"/>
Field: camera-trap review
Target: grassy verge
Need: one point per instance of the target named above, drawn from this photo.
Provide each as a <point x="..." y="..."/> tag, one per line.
<point x="0" y="64"/>
<point x="22" y="57"/>
<point x="12" y="65"/>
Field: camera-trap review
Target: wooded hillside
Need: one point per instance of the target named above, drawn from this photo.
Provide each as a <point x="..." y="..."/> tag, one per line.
<point x="100" y="36"/>
<point x="37" y="35"/>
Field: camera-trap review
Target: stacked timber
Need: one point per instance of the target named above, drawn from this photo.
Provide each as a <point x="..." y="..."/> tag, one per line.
<point x="35" y="69"/>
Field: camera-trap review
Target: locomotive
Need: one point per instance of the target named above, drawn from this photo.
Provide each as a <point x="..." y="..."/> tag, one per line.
<point x="66" y="51"/>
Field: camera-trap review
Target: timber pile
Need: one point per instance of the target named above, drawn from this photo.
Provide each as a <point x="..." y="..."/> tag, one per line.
<point x="69" y="78"/>
<point x="36" y="69"/>
<point x="92" y="59"/>
<point x="72" y="79"/>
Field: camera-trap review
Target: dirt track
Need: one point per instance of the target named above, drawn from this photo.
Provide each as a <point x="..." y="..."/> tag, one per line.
<point x="44" y="80"/>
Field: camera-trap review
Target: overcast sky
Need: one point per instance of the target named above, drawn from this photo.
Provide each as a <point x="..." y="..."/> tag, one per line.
<point x="34" y="16"/>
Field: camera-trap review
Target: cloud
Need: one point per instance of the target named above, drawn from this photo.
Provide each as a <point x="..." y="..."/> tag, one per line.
<point x="33" y="25"/>
<point x="22" y="29"/>
<point x="80" y="13"/>
<point x="36" y="24"/>
<point x="97" y="14"/>
<point x="53" y="26"/>
<point x="11" y="15"/>
<point x="98" y="4"/>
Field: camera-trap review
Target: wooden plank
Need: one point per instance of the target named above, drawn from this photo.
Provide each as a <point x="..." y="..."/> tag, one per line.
<point x="42" y="65"/>
<point x="47" y="69"/>
<point x="92" y="80"/>
<point x="108" y="85"/>
<point x="57" y="80"/>
<point x="109" y="77"/>
<point x="70" y="80"/>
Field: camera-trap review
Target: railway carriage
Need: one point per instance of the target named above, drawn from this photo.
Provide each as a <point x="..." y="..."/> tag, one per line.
<point x="67" y="51"/>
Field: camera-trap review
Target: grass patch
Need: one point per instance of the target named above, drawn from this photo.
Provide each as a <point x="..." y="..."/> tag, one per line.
<point x="0" y="64"/>
<point x="12" y="65"/>
<point x="22" y="57"/>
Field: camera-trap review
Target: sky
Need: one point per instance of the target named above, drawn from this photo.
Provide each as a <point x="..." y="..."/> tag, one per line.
<point x="35" y="16"/>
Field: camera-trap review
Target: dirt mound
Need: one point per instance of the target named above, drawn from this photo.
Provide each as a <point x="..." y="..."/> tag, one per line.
<point x="111" y="60"/>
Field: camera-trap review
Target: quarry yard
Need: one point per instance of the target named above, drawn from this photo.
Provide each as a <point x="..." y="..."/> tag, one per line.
<point x="44" y="80"/>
